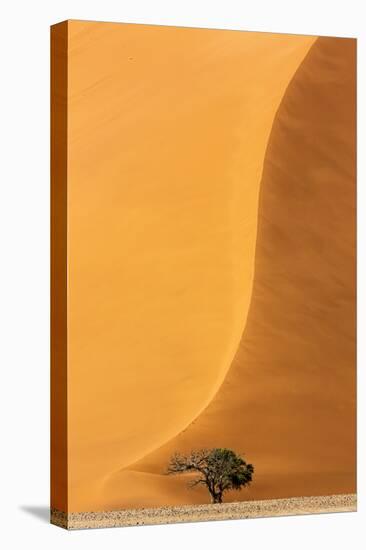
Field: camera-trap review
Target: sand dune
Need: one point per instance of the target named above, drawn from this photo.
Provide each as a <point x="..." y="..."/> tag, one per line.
<point x="288" y="401"/>
<point x="167" y="129"/>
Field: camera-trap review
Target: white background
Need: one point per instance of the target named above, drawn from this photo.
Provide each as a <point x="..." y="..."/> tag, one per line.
<point x="24" y="272"/>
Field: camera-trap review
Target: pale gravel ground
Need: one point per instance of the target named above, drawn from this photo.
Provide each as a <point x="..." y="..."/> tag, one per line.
<point x="206" y="512"/>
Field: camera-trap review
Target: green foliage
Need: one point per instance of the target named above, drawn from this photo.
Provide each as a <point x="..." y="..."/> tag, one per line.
<point x="218" y="469"/>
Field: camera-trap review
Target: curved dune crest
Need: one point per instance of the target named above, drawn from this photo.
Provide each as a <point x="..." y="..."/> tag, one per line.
<point x="288" y="401"/>
<point x="187" y="158"/>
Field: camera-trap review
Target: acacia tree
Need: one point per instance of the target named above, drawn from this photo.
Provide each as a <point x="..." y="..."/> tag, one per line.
<point x="219" y="470"/>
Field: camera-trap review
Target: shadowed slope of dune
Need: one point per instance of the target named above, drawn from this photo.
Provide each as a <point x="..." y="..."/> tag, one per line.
<point x="288" y="401"/>
<point x="168" y="128"/>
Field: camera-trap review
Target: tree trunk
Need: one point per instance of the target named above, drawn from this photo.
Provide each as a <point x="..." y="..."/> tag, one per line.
<point x="216" y="498"/>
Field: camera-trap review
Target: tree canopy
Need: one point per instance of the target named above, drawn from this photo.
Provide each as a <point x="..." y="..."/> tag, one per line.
<point x="219" y="470"/>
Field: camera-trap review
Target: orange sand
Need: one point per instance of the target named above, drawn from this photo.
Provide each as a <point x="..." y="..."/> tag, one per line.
<point x="288" y="401"/>
<point x="168" y="131"/>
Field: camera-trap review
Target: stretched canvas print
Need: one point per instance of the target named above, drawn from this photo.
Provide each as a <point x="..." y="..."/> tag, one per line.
<point x="203" y="274"/>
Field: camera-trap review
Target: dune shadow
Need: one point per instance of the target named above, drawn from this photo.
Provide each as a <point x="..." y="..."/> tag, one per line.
<point x="40" y="512"/>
